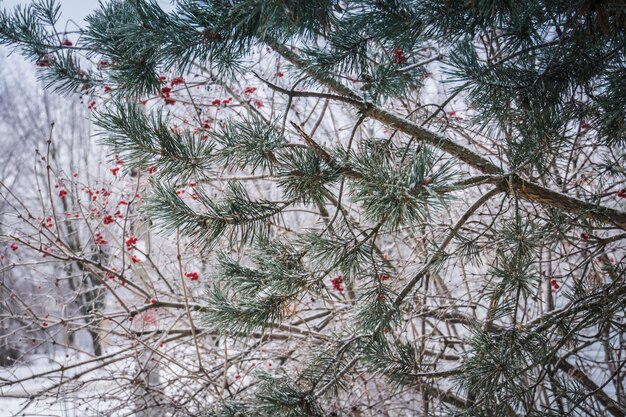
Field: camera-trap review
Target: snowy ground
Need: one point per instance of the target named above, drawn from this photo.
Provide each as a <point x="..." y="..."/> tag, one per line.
<point x="14" y="400"/>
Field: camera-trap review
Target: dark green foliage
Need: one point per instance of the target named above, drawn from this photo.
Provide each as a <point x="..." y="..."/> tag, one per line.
<point x="144" y="141"/>
<point x="324" y="366"/>
<point x="235" y="212"/>
<point x="249" y="143"/>
<point x="501" y="363"/>
<point x="342" y="251"/>
<point x="230" y="409"/>
<point x="400" y="186"/>
<point x="28" y="27"/>
<point x="305" y="177"/>
<point x="278" y="395"/>
<point x="399" y="361"/>
<point x="262" y="292"/>
<point x="128" y="46"/>
<point x="245" y="315"/>
<point x="376" y="306"/>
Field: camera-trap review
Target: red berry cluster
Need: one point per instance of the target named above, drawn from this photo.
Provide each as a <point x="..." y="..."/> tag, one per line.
<point x="131" y="242"/>
<point x="398" y="56"/>
<point x="383" y="276"/>
<point x="135" y="259"/>
<point x="108" y="219"/>
<point x="62" y="192"/>
<point x="152" y="169"/>
<point x="45" y="61"/>
<point x="194" y="276"/>
<point x="336" y="282"/>
<point x="165" y="95"/>
<point x="176" y="81"/>
<point x="622" y="193"/>
<point x="584" y="236"/>
<point x="99" y="239"/>
<point x="249" y="90"/>
<point x="555" y="285"/>
<point x="13" y="246"/>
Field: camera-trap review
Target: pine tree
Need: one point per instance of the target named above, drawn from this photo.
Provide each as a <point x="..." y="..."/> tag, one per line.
<point x="458" y="254"/>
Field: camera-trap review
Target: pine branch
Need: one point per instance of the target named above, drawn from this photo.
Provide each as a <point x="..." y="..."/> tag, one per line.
<point x="526" y="189"/>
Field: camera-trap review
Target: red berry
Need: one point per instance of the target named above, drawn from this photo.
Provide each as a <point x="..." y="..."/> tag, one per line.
<point x="336" y="282"/>
<point x="398" y="56"/>
<point x="584" y="236"/>
<point x="194" y="276"/>
<point x="176" y="81"/>
<point x="130" y="242"/>
<point x="45" y="61"/>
